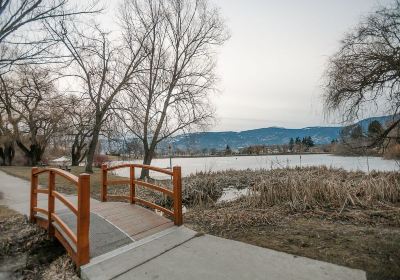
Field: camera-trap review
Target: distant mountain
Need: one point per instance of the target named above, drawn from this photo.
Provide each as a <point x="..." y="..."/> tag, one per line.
<point x="262" y="136"/>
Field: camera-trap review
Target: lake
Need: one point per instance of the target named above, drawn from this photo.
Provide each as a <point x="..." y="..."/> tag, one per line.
<point x="193" y="165"/>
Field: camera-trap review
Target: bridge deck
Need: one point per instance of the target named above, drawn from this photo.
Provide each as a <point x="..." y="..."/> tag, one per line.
<point x="135" y="221"/>
<point x="114" y="224"/>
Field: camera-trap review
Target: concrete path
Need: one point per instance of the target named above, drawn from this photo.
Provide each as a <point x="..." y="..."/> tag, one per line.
<point x="180" y="253"/>
<point x="209" y="257"/>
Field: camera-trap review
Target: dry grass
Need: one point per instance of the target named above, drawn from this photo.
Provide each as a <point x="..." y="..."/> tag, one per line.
<point x="27" y="252"/>
<point x="297" y="188"/>
<point x="347" y="218"/>
<point x="204" y="188"/>
<point x="308" y="188"/>
<point x="392" y="152"/>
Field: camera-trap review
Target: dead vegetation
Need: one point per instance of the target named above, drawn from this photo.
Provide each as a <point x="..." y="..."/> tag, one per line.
<point x="297" y="188"/>
<point x="322" y="188"/>
<point x="333" y="194"/>
<point x="26" y="252"/>
<point x="347" y="218"/>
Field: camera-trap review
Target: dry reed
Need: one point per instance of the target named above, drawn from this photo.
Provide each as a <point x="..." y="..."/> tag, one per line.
<point x="297" y="188"/>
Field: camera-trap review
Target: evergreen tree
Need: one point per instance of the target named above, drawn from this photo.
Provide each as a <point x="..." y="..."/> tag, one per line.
<point x="356" y="132"/>
<point x="310" y="142"/>
<point x="375" y="129"/>
<point x="228" y="150"/>
<point x="291" y="144"/>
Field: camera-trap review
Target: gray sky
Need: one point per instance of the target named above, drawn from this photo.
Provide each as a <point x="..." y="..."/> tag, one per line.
<point x="271" y="68"/>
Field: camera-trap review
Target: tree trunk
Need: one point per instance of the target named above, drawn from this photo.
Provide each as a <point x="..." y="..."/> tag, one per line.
<point x="33" y="154"/>
<point x="76" y="153"/>
<point x="92" y="149"/>
<point x="2" y="156"/>
<point x="148" y="156"/>
<point x="9" y="153"/>
<point x="36" y="154"/>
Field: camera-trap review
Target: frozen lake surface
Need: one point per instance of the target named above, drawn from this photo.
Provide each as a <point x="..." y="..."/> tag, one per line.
<point x="193" y="165"/>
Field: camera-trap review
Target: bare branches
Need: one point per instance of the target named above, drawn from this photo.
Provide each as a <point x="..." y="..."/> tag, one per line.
<point x="103" y="68"/>
<point x="171" y="93"/>
<point x="22" y="36"/>
<point x="34" y="110"/>
<point x="365" y="73"/>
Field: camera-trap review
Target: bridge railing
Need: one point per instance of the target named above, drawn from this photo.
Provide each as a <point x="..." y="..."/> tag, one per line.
<point x="79" y="249"/>
<point x="175" y="193"/>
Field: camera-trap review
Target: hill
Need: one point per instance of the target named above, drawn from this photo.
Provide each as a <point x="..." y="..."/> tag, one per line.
<point x="262" y="136"/>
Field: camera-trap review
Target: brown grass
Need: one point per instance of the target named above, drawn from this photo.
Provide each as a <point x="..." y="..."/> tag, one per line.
<point x="297" y="188"/>
<point x="27" y="252"/>
<point x="347" y="218"/>
<point x="392" y="152"/>
<point x="306" y="188"/>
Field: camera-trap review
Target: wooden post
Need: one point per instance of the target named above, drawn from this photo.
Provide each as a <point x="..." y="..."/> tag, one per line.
<point x="83" y="219"/>
<point x="132" y="184"/>
<point x="104" y="182"/>
<point x="52" y="182"/>
<point x="177" y="181"/>
<point x="34" y="186"/>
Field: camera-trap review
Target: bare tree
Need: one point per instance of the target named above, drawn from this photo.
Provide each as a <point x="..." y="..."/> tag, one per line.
<point x="102" y="68"/>
<point x="7" y="149"/>
<point x="22" y="37"/>
<point x="365" y="72"/>
<point x="171" y="94"/>
<point x="33" y="108"/>
<point x="79" y="123"/>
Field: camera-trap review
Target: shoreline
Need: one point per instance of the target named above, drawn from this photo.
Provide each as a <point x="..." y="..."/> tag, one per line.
<point x="252" y="155"/>
<point x="228" y="156"/>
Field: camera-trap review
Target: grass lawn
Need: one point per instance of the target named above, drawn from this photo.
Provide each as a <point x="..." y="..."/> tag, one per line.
<point x="62" y="184"/>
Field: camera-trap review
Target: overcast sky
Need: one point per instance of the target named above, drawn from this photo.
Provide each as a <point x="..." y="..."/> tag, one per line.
<point x="271" y="68"/>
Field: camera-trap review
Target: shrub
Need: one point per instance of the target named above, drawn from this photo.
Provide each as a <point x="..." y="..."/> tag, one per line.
<point x="99" y="160"/>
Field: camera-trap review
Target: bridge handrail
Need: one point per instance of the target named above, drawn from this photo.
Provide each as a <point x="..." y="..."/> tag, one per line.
<point x="144" y="166"/>
<point x="176" y="193"/>
<point x="70" y="177"/>
<point x="80" y="240"/>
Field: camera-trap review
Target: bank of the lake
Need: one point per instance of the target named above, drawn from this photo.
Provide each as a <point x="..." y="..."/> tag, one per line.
<point x="343" y="217"/>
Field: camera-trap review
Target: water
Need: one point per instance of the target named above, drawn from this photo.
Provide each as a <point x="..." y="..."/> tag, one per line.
<point x="231" y="194"/>
<point x="193" y="165"/>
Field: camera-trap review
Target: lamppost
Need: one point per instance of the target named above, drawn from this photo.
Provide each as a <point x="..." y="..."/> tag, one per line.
<point x="170" y="155"/>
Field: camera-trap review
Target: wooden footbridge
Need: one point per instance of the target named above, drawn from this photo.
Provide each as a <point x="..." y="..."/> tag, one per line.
<point x="88" y="228"/>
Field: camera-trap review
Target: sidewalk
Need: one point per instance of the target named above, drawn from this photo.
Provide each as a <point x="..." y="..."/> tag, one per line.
<point x="180" y="253"/>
